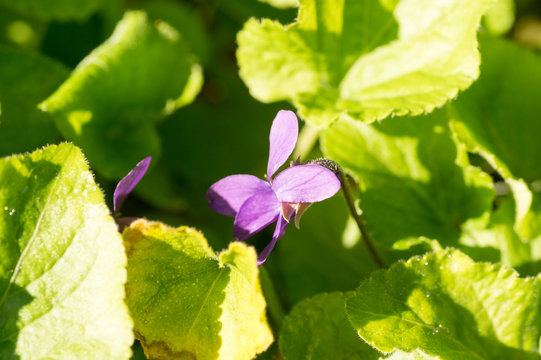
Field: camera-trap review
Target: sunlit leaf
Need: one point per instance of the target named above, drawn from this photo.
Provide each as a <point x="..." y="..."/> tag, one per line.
<point x="359" y="58"/>
<point x="187" y="301"/>
<point x="415" y="355"/>
<point x="501" y="17"/>
<point x="522" y="254"/>
<point x="499" y="119"/>
<point x="62" y="263"/>
<point x="414" y="181"/>
<point x="446" y="305"/>
<point x="109" y="103"/>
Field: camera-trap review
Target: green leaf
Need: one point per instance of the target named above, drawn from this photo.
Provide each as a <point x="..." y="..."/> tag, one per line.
<point x="108" y="105"/>
<point x="317" y="328"/>
<point x="499" y="119"/>
<point x="25" y="79"/>
<point x="413" y="179"/>
<point x="187" y="302"/>
<point x="55" y="9"/>
<point x="522" y="254"/>
<point x="185" y="21"/>
<point x="62" y="263"/>
<point x="354" y="57"/>
<point x="446" y="305"/>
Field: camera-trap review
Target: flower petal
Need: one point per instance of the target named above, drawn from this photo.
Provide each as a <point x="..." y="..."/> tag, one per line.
<point x="257" y="212"/>
<point x="305" y="184"/>
<point x="283" y="137"/>
<point x="227" y="195"/>
<point x="129" y="182"/>
<point x="281" y="225"/>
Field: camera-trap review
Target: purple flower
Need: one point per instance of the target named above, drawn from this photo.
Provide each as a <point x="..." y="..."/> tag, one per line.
<point x="128" y="183"/>
<point x="256" y="203"/>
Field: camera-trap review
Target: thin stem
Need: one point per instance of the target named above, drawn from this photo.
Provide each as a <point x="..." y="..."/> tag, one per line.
<point x="337" y="169"/>
<point x="357" y="217"/>
<point x="275" y="307"/>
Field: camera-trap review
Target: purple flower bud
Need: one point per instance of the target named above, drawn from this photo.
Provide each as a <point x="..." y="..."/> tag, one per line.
<point x="129" y="182"/>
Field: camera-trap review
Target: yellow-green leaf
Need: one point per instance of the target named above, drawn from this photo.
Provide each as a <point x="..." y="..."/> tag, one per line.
<point x="186" y="301"/>
<point x="446" y="305"/>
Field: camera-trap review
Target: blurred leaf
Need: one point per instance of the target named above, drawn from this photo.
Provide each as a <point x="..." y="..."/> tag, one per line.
<point x="325" y="254"/>
<point x="413" y="179"/>
<point x="26" y="79"/>
<point x="522" y="254"/>
<point x="108" y="105"/>
<point x="54" y="9"/>
<point x="501" y="17"/>
<point x="185" y="20"/>
<point x="446" y="305"/>
<point x="499" y="119"/>
<point x="329" y="62"/>
<point x="188" y="302"/>
<point x="62" y="264"/>
<point x="317" y="328"/>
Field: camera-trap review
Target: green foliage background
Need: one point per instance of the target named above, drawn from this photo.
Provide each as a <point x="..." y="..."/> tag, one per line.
<point x="182" y="80"/>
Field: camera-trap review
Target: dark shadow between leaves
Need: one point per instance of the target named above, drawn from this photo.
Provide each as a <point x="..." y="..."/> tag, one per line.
<point x="313" y="259"/>
<point x="529" y="269"/>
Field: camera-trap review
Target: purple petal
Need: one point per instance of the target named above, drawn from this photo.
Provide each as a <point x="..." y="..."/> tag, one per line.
<point x="256" y="213"/>
<point x="227" y="195"/>
<point x="128" y="183"/>
<point x="305" y="184"/>
<point x="281" y="225"/>
<point x="283" y="137"/>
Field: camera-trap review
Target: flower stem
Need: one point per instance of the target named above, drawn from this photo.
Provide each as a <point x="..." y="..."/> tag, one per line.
<point x="275" y="307"/>
<point x="348" y="194"/>
<point x="337" y="169"/>
<point x="346" y="188"/>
